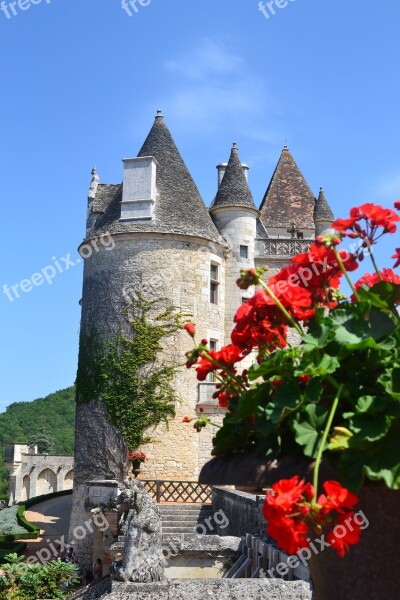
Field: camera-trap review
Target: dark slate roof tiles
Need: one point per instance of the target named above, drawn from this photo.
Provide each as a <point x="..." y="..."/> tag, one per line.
<point x="179" y="207"/>
<point x="322" y="210"/>
<point x="234" y="189"/>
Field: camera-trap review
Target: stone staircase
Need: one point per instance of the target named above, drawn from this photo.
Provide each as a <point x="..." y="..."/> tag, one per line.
<point x="187" y="520"/>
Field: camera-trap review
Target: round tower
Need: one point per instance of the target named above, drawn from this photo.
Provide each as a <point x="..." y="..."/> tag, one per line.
<point x="235" y="216"/>
<point x="152" y="234"/>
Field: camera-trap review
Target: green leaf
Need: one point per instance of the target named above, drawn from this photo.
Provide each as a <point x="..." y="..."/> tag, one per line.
<point x="340" y="439"/>
<point x="379" y="461"/>
<point x="382" y="295"/>
<point x="321" y="364"/>
<point x="370" y="428"/>
<point x="310" y="431"/>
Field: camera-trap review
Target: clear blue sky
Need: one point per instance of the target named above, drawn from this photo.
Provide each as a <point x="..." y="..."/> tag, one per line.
<point x="81" y="81"/>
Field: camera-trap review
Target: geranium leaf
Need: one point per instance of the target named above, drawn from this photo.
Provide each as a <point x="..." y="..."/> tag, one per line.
<point x="309" y="432"/>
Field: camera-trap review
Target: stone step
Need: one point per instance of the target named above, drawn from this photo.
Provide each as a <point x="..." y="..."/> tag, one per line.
<point x="177" y="530"/>
<point x="183" y="506"/>
<point x="185" y="517"/>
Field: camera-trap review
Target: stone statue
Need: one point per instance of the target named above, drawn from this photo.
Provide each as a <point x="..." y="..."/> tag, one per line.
<point x="140" y="526"/>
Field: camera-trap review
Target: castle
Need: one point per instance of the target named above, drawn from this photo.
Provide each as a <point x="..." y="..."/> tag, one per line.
<point x="167" y="243"/>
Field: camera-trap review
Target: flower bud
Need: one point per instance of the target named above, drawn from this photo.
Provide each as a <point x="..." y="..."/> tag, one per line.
<point x="190" y="328"/>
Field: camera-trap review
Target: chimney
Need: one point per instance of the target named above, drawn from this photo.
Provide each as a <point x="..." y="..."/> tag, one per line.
<point x="139" y="188"/>
<point x="222" y="168"/>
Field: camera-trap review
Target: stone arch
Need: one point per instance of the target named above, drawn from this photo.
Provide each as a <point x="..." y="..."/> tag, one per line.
<point x="69" y="480"/>
<point x="26" y="488"/>
<point x="46" y="482"/>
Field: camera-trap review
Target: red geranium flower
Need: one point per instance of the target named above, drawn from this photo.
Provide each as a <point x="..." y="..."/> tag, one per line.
<point x="186" y="420"/>
<point x="365" y="220"/>
<point x="336" y="498"/>
<point x="349" y="534"/>
<point x="397" y="204"/>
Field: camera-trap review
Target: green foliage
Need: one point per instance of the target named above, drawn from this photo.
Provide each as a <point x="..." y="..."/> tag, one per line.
<point x="22" y="581"/>
<point x="130" y="373"/>
<point x="22" y="422"/>
<point x="356" y="346"/>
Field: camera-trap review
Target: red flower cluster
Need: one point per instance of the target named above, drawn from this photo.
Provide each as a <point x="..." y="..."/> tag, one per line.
<point x="259" y="323"/>
<point x="290" y="511"/>
<point x="365" y="221"/>
<point x="372" y="279"/>
<point x="137" y="456"/>
<point x="224" y="358"/>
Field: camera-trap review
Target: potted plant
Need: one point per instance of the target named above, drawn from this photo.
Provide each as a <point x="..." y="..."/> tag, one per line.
<point x="329" y="402"/>
<point x="136" y="459"/>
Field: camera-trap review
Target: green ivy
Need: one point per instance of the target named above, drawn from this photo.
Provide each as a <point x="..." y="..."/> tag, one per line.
<point x="129" y="372"/>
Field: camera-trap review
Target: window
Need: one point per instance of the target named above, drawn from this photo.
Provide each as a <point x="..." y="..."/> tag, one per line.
<point x="213" y="346"/>
<point x="214" y="283"/>
<point x="244" y="252"/>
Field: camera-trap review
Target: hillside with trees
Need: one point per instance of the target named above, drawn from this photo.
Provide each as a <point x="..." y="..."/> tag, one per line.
<point x="48" y="422"/>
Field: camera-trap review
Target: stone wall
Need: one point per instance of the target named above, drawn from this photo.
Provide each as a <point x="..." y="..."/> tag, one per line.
<point x="243" y="510"/>
<point x="33" y="474"/>
<point x="177" y="269"/>
<point x="223" y="589"/>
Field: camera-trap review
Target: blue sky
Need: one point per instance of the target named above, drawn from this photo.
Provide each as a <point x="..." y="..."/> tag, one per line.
<point x="81" y="82"/>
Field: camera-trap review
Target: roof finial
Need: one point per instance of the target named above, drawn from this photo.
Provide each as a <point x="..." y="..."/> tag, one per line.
<point x="234" y="146"/>
<point x="94" y="183"/>
<point x="285" y="147"/>
<point x="159" y="114"/>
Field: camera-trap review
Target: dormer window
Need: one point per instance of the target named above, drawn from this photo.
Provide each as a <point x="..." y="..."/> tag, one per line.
<point x="139" y="188"/>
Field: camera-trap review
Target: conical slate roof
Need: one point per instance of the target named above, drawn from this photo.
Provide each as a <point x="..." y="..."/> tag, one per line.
<point x="322" y="210"/>
<point x="179" y="207"/>
<point x="289" y="198"/>
<point x="234" y="189"/>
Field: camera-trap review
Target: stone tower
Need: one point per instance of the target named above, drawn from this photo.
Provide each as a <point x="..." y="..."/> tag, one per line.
<point x="153" y="233"/>
<point x="235" y="216"/>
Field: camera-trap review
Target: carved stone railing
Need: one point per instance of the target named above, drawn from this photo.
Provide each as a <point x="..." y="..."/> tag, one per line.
<point x="284" y="247"/>
<point x="189" y="492"/>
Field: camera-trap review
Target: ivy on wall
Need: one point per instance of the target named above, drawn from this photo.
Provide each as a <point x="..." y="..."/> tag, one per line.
<point x="130" y="373"/>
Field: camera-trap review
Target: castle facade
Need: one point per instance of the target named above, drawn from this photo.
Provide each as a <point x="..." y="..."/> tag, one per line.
<point x="168" y="244"/>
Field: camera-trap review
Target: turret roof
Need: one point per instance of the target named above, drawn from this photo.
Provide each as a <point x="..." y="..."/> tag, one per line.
<point x="323" y="211"/>
<point x="234" y="189"/>
<point x="289" y="198"/>
<point x="179" y="207"/>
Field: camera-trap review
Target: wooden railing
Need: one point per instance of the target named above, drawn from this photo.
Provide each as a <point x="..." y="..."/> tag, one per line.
<point x="189" y="492"/>
<point x="260" y="559"/>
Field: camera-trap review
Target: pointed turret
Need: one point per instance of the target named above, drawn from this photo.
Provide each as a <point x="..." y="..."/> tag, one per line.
<point x="173" y="205"/>
<point x="288" y="200"/>
<point x="235" y="216"/>
<point x="234" y="189"/>
<point x="323" y="215"/>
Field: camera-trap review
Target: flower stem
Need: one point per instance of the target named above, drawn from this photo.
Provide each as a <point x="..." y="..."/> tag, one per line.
<point x="281" y="307"/>
<point x="345" y="273"/>
<point x="323" y="442"/>
<point x="372" y="257"/>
